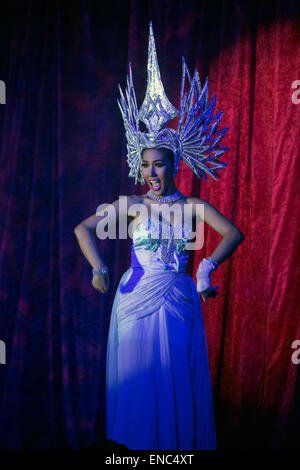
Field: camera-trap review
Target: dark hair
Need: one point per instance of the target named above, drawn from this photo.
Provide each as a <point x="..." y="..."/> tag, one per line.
<point x="165" y="151"/>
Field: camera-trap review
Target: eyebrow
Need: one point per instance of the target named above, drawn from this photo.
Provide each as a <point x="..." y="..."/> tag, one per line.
<point x="146" y="161"/>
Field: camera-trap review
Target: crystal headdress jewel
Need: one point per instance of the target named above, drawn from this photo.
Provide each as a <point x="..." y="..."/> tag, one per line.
<point x="197" y="138"/>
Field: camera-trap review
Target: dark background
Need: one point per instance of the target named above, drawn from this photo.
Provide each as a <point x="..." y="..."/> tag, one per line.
<point x="63" y="153"/>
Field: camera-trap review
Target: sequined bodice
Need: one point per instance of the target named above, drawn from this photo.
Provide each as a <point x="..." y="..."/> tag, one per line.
<point x="158" y="245"/>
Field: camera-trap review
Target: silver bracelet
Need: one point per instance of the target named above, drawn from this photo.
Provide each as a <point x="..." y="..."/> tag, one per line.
<point x="100" y="270"/>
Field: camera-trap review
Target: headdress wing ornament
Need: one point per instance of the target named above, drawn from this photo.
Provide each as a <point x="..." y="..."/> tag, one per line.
<point x="196" y="140"/>
<point x="197" y="129"/>
<point x="129" y="111"/>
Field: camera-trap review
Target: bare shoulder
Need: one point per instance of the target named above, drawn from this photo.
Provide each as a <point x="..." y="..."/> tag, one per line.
<point x="198" y="205"/>
<point x="213" y="217"/>
<point x="128" y="200"/>
<point x="133" y="200"/>
<point x="136" y="198"/>
<point x="197" y="201"/>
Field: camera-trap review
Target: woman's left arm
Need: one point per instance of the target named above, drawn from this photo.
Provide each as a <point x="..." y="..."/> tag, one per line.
<point x="232" y="236"/>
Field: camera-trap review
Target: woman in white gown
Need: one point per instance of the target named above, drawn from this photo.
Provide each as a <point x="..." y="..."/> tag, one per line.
<point x="158" y="388"/>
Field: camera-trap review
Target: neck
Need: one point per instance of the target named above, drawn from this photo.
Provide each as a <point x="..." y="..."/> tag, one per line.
<point x="171" y="195"/>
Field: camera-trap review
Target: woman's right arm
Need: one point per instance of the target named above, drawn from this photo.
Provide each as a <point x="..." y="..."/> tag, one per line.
<point x="86" y="236"/>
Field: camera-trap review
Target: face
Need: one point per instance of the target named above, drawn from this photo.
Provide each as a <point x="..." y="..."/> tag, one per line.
<point x="157" y="171"/>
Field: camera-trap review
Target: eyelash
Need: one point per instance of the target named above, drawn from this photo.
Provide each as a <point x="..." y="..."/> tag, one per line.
<point x="159" y="165"/>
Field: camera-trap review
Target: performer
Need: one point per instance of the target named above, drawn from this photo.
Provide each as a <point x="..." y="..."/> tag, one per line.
<point x="158" y="387"/>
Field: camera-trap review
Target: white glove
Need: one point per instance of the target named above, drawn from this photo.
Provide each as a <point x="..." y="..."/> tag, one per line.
<point x="204" y="270"/>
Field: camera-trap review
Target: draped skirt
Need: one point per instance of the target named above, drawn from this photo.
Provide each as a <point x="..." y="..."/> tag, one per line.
<point x="158" y="387"/>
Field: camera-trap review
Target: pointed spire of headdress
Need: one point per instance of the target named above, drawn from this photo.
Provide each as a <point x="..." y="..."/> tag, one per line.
<point x="156" y="109"/>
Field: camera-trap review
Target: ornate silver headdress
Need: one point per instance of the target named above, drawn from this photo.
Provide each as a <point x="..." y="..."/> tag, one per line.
<point x="196" y="140"/>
